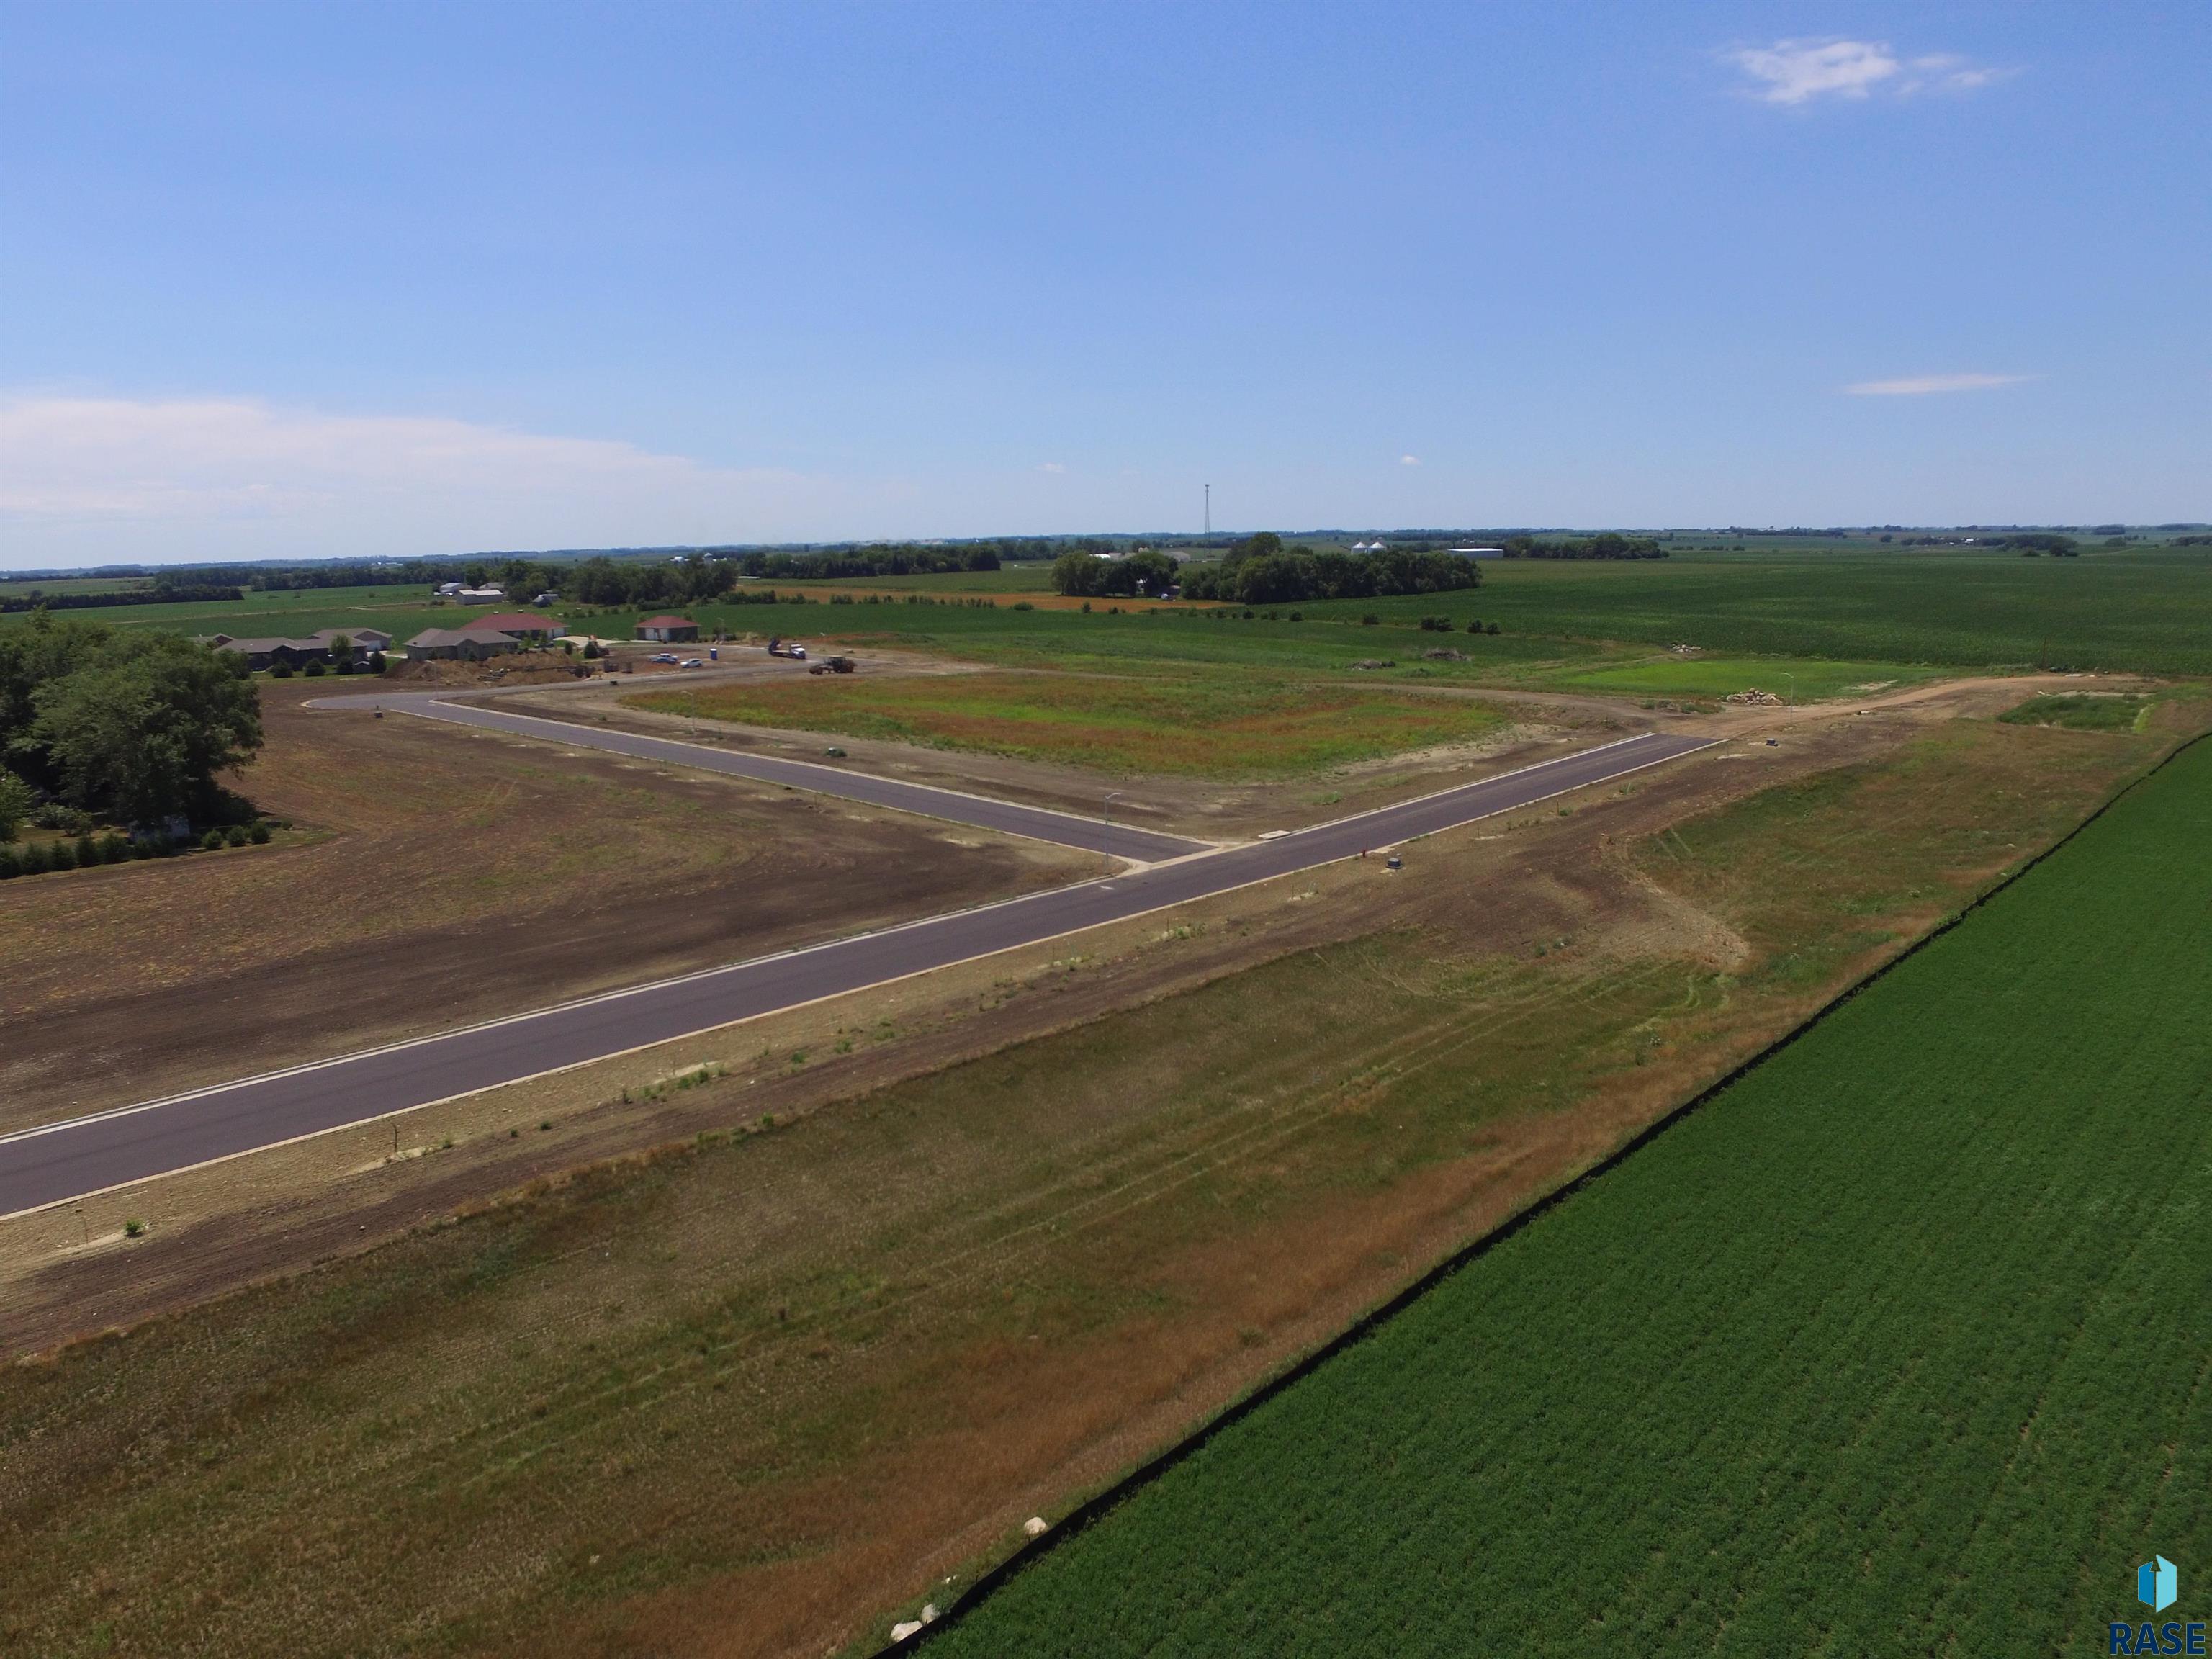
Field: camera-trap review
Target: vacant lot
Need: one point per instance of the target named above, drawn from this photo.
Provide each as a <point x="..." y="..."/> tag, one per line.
<point x="1899" y="1347"/>
<point x="1220" y="725"/>
<point x="728" y="1401"/>
<point x="1804" y="679"/>
<point x="445" y="876"/>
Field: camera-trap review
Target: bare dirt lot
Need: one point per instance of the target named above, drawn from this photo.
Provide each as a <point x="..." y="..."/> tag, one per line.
<point x="450" y="876"/>
<point x="751" y="1396"/>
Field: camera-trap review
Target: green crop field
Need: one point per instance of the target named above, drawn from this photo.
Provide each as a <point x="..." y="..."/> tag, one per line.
<point x="1232" y="726"/>
<point x="1901" y="1345"/>
<point x="397" y="610"/>
<point x="2138" y="609"/>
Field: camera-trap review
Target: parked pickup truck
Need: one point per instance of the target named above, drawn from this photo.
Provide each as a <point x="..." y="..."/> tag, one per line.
<point x="832" y="665"/>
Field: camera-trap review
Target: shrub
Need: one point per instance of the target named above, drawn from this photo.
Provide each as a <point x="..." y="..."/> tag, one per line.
<point x="592" y="652"/>
<point x="1024" y="605"/>
<point x="235" y="835"/>
<point x="1475" y="627"/>
<point x="283" y="671"/>
<point x="258" y="834"/>
<point x="1493" y="628"/>
<point x="114" y="849"/>
<point x="1369" y="620"/>
<point x="10" y="864"/>
<point x="134" y="1228"/>
<point x="210" y="840"/>
<point x="88" y="852"/>
<point x="345" y="665"/>
<point x="67" y="819"/>
<point x="32" y="860"/>
<point x="315" y="670"/>
<point x="143" y="847"/>
<point x="376" y="662"/>
<point x="60" y="856"/>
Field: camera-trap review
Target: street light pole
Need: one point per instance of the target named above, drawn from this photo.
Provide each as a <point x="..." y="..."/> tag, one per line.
<point x="1106" y="807"/>
<point x="1792" y="678"/>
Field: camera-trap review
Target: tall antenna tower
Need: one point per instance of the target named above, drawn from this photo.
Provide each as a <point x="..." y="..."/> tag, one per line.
<point x="1209" y="509"/>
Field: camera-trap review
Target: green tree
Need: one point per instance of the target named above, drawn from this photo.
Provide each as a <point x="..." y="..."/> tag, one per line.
<point x="141" y="729"/>
<point x="16" y="803"/>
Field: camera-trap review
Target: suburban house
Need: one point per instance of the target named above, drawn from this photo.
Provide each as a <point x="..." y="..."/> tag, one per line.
<point x="297" y="653"/>
<point x="469" y="644"/>
<point x="668" y="630"/>
<point x="268" y="652"/>
<point x="364" y="640"/>
<point x="531" y="631"/>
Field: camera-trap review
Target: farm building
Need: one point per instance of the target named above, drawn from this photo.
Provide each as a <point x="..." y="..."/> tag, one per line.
<point x="1478" y="552"/>
<point x="469" y="644"/>
<point x="530" y="629"/>
<point x="668" y="630"/>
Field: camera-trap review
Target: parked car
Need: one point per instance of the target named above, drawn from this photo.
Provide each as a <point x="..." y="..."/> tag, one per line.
<point x="662" y="656"/>
<point x="693" y="662"/>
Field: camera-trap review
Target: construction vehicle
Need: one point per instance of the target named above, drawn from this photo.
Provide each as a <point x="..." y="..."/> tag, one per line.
<point x="832" y="665"/>
<point x="777" y="648"/>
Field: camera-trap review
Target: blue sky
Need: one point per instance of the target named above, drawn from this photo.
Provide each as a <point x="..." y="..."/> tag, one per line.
<point x="316" y="279"/>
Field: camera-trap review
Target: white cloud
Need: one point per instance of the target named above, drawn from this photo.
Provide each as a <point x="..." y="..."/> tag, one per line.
<point x="1409" y="461"/>
<point x="110" y="478"/>
<point x="1052" y="466"/>
<point x="1798" y="71"/>
<point x="1919" y="385"/>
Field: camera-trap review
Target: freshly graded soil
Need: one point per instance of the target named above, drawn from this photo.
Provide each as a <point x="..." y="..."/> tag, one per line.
<point x="447" y="876"/>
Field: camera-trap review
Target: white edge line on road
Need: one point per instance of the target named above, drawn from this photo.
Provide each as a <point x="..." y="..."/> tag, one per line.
<point x="705" y="973"/>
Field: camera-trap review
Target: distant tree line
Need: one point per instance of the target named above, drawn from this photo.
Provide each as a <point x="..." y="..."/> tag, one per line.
<point x="132" y="723"/>
<point x="888" y="559"/>
<point x="1091" y="576"/>
<point x="162" y="593"/>
<point x="1609" y="546"/>
<point x="1260" y="570"/>
<point x="2059" y="547"/>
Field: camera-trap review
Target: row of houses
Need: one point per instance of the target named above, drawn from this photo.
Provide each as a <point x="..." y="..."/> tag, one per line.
<point x="361" y="642"/>
<point x="484" y="636"/>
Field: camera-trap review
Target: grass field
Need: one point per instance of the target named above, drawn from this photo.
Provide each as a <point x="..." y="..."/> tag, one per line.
<point x="1901" y="1345"/>
<point x="2080" y="713"/>
<point x="1217" y="726"/>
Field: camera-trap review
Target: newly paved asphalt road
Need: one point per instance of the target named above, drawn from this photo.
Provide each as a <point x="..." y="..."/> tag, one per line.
<point x="1036" y="822"/>
<point x="85" y="1155"/>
